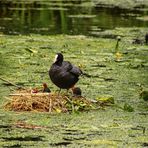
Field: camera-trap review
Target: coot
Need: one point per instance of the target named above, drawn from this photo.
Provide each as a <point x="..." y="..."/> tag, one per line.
<point x="45" y="88"/>
<point x="63" y="74"/>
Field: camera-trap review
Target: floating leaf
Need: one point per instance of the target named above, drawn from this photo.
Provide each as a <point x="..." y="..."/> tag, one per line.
<point x="100" y="142"/>
<point x="58" y="110"/>
<point x="108" y="99"/>
<point x="118" y="56"/>
<point x="82" y="16"/>
<point x="31" y="50"/>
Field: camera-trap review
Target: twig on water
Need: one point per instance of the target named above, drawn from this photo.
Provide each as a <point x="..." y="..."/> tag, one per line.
<point x="9" y="82"/>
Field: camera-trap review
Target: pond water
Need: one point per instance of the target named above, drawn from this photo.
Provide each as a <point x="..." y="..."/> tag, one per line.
<point x="114" y="126"/>
<point x="65" y="17"/>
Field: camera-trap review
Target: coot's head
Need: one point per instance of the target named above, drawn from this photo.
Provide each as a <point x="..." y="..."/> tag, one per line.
<point x="44" y="85"/>
<point x="45" y="88"/>
<point x="58" y="58"/>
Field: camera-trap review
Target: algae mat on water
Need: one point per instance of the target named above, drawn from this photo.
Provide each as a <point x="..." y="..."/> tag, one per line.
<point x="25" y="61"/>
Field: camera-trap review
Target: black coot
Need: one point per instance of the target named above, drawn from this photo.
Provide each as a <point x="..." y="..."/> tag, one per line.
<point x="63" y="74"/>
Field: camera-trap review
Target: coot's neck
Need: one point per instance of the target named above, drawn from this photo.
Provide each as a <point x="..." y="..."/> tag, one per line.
<point x="59" y="62"/>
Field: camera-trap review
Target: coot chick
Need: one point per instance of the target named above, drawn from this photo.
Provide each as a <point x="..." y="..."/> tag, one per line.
<point x="76" y="91"/>
<point x="63" y="74"/>
<point x="45" y="88"/>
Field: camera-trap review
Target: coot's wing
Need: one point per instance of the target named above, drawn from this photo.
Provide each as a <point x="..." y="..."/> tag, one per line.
<point x="67" y="66"/>
<point x="71" y="68"/>
<point x="75" y="70"/>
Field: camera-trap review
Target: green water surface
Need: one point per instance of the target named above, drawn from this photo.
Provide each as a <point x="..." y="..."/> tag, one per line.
<point x="113" y="126"/>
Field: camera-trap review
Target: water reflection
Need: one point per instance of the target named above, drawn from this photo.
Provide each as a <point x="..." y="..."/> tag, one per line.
<point x="66" y="17"/>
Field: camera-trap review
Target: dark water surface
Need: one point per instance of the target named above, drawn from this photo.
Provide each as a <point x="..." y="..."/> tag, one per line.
<point x="64" y="17"/>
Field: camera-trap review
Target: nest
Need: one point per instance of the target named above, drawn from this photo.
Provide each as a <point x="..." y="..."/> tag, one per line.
<point x="24" y="100"/>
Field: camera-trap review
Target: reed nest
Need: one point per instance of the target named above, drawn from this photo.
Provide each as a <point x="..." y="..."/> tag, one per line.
<point x="24" y="100"/>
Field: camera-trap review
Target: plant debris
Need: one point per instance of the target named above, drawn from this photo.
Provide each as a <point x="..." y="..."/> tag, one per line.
<point x="26" y="100"/>
<point x="144" y="95"/>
